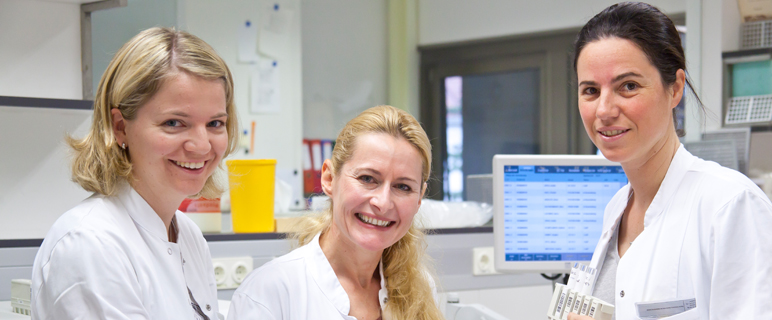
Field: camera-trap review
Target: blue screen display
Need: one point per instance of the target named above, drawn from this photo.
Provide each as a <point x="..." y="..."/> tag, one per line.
<point x="555" y="213"/>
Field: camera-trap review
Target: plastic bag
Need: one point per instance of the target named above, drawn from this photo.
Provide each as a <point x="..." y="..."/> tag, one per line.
<point x="435" y="214"/>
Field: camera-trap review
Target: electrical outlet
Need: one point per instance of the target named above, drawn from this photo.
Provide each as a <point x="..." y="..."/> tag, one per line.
<point x="482" y="261"/>
<point x="230" y="272"/>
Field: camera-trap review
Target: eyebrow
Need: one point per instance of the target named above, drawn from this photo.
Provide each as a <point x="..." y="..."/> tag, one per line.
<point x="185" y="115"/>
<point x="625" y="75"/>
<point x="616" y="79"/>
<point x="376" y="172"/>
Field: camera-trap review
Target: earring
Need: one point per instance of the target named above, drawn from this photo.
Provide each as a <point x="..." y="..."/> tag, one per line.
<point x="123" y="146"/>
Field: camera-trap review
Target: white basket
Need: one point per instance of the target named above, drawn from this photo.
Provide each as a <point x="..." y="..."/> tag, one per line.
<point x="757" y="34"/>
<point x="749" y="110"/>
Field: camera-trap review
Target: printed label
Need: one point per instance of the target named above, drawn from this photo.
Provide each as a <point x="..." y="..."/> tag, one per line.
<point x="661" y="309"/>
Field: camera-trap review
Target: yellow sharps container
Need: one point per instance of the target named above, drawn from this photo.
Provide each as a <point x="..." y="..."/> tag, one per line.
<point x="251" y="187"/>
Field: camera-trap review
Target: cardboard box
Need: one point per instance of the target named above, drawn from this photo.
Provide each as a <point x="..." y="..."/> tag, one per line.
<point x="755" y="10"/>
<point x="288" y="224"/>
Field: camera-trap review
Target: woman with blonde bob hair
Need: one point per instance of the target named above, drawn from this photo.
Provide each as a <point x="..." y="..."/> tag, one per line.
<point x="363" y="258"/>
<point x="164" y="118"/>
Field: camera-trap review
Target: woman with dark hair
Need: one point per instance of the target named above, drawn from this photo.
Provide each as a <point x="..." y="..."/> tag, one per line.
<point x="684" y="232"/>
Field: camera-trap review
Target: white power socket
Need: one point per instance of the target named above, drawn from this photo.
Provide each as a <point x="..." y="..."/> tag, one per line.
<point x="230" y="272"/>
<point x="482" y="261"/>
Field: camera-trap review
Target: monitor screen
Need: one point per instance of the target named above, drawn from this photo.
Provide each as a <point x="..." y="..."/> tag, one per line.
<point x="549" y="209"/>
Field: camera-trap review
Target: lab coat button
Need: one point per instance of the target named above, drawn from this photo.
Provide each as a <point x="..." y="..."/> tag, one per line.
<point x="208" y="308"/>
<point x="622" y="294"/>
<point x="169" y="251"/>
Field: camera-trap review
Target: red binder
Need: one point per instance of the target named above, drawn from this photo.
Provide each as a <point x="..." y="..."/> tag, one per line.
<point x="308" y="171"/>
<point x="317" y="160"/>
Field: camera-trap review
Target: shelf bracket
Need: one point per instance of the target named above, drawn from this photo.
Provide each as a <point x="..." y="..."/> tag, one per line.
<point x="85" y="41"/>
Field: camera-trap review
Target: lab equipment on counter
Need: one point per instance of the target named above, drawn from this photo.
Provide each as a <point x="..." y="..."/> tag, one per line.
<point x="205" y="213"/>
<point x="318" y="203"/>
<point x="548" y="209"/>
<point x="251" y="185"/>
<point x="479" y="188"/>
<point x="742" y="141"/>
<point x="723" y="152"/>
<point x="21" y="294"/>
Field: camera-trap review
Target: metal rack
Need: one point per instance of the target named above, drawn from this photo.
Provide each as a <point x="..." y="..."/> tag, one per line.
<point x="757" y="34"/>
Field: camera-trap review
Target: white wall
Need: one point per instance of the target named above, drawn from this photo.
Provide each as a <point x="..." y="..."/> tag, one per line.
<point x="40" y="49"/>
<point x="39" y="57"/>
<point x="716" y="29"/>
<point x="344" y="62"/>
<point x="35" y="186"/>
<point x="277" y="136"/>
<point x="443" y="21"/>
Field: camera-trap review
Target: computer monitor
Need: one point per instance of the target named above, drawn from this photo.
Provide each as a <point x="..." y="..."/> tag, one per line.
<point x="548" y="209"/>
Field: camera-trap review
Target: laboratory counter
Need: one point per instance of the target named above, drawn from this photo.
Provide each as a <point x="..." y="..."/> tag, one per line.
<point x="451" y="250"/>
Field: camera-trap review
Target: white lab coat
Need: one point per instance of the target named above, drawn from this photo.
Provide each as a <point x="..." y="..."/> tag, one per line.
<point x="707" y="235"/>
<point x="297" y="286"/>
<point x="110" y="258"/>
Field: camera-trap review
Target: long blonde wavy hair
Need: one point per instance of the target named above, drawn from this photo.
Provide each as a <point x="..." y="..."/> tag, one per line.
<point x="406" y="266"/>
<point x="134" y="75"/>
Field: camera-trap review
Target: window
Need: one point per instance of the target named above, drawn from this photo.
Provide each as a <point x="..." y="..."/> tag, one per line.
<point x="507" y="96"/>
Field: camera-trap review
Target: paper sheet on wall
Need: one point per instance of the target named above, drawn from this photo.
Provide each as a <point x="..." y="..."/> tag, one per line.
<point x="265" y="91"/>
<point x="247" y="42"/>
<point x="274" y="30"/>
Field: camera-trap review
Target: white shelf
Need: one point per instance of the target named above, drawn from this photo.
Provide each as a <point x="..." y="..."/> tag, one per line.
<point x="73" y="1"/>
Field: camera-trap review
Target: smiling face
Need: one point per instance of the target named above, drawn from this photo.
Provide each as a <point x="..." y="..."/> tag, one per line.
<point x="625" y="107"/>
<point x="178" y="137"/>
<point x="377" y="192"/>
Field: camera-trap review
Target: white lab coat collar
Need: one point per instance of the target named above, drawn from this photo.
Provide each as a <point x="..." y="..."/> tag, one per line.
<point x="141" y="212"/>
<point x="328" y="282"/>
<point x="682" y="160"/>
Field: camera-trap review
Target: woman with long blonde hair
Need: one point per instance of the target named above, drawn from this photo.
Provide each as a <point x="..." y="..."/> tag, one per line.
<point x="363" y="258"/>
<point x="164" y="118"/>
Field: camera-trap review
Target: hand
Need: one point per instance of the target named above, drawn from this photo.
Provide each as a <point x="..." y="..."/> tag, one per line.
<point x="574" y="316"/>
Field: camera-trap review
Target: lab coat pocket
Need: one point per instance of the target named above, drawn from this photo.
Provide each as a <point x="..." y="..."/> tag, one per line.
<point x="686" y="315"/>
<point x="667" y="309"/>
